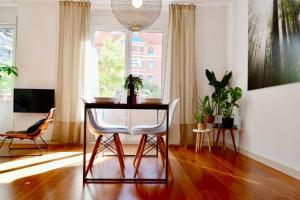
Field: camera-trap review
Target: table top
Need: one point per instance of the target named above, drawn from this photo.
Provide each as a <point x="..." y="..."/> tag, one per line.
<point x="201" y="131"/>
<point x="142" y="106"/>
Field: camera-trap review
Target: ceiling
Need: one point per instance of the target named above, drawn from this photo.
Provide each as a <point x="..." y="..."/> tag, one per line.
<point x="106" y="3"/>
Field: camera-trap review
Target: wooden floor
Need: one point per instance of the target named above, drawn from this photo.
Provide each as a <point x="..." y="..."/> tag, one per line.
<point x="203" y="175"/>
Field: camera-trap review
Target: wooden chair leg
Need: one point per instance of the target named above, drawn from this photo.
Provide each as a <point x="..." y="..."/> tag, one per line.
<point x="2" y="142"/>
<point x="140" y="154"/>
<point x="233" y="140"/>
<point x="121" y="147"/>
<point x="96" y="147"/>
<point x="119" y="154"/>
<point x="161" y="149"/>
<point x="138" y="150"/>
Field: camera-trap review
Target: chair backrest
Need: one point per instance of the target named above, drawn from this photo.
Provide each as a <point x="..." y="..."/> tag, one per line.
<point x="92" y="125"/>
<point x="172" y="108"/>
<point x="45" y="125"/>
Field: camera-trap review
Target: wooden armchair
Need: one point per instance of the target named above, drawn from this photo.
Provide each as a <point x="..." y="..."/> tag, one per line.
<point x="30" y="136"/>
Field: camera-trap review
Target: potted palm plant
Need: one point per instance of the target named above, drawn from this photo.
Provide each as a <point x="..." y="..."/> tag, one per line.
<point x="207" y="106"/>
<point x="200" y="119"/>
<point x="234" y="94"/>
<point x="219" y="96"/>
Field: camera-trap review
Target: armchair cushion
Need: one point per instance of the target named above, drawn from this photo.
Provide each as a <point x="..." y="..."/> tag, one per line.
<point x="35" y="126"/>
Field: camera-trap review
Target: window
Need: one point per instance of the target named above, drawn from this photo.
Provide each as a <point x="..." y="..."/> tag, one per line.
<point x="6" y="58"/>
<point x="123" y="53"/>
<point x="150" y="78"/>
<point x="135" y="62"/>
<point x="150" y="64"/>
<point x="150" y="51"/>
<point x="111" y="61"/>
<point x="154" y="42"/>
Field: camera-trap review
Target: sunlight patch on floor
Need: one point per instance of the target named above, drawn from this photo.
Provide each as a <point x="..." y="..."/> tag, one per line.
<point x="42" y="168"/>
<point x="220" y="172"/>
<point x="34" y="160"/>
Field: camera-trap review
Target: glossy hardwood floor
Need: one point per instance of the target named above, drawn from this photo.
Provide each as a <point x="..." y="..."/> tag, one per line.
<point x="202" y="175"/>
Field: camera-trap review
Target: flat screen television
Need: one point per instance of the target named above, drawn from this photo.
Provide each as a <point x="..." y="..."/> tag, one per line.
<point x="33" y="100"/>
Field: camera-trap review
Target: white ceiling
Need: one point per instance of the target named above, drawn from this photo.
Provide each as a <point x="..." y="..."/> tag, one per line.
<point x="106" y="3"/>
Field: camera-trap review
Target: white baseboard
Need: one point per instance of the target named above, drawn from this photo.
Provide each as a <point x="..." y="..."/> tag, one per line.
<point x="266" y="161"/>
<point x="271" y="163"/>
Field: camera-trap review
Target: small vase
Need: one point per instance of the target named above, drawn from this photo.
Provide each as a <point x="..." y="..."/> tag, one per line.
<point x="201" y="126"/>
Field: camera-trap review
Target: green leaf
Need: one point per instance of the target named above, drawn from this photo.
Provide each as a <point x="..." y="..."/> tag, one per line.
<point x="226" y="78"/>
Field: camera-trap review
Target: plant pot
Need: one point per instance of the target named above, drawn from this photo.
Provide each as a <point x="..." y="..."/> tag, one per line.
<point x="209" y="119"/>
<point x="218" y="119"/>
<point x="227" y="122"/>
<point x="201" y="126"/>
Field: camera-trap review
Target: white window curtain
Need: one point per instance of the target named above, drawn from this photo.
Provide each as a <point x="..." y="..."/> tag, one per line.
<point x="181" y="69"/>
<point x="74" y="29"/>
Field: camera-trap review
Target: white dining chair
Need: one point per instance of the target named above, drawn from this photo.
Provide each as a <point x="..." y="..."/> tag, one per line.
<point x="106" y="134"/>
<point x="149" y="133"/>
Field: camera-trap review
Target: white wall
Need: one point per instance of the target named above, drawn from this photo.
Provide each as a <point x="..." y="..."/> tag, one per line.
<point x="211" y="44"/>
<point x="36" y="52"/>
<point x="37" y="47"/>
<point x="270" y="115"/>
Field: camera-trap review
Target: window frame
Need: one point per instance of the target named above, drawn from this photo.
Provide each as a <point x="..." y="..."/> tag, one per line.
<point x="14" y="28"/>
<point x="14" y="45"/>
<point x="128" y="46"/>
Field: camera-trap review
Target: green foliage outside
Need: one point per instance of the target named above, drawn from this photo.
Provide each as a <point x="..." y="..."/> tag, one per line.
<point x="111" y="69"/>
<point x="152" y="88"/>
<point x="6" y="78"/>
<point x="111" y="66"/>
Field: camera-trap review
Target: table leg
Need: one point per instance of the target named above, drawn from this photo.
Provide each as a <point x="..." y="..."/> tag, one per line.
<point x="84" y="144"/>
<point x="233" y="140"/>
<point x="223" y="133"/>
<point x="201" y="140"/>
<point x="218" y="135"/>
<point x="197" y="142"/>
<point x="209" y="148"/>
<point x="167" y="147"/>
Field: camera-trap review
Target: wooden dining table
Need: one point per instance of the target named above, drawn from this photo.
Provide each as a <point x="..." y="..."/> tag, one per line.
<point x="94" y="105"/>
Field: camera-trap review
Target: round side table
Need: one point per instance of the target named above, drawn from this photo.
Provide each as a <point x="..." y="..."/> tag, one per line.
<point x="200" y="138"/>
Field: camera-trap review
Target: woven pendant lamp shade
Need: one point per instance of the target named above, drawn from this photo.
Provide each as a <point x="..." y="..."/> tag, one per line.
<point x="136" y="15"/>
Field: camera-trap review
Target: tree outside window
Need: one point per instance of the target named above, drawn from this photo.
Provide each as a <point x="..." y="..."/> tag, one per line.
<point x="112" y="59"/>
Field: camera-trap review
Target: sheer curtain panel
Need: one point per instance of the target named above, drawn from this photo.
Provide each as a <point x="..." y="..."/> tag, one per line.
<point x="181" y="68"/>
<point x="74" y="32"/>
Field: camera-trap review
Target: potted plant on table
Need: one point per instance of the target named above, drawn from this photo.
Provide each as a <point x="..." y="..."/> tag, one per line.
<point x="200" y="119"/>
<point x="234" y="94"/>
<point x="207" y="106"/>
<point x="220" y="87"/>
<point x="132" y="85"/>
<point x="220" y="94"/>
